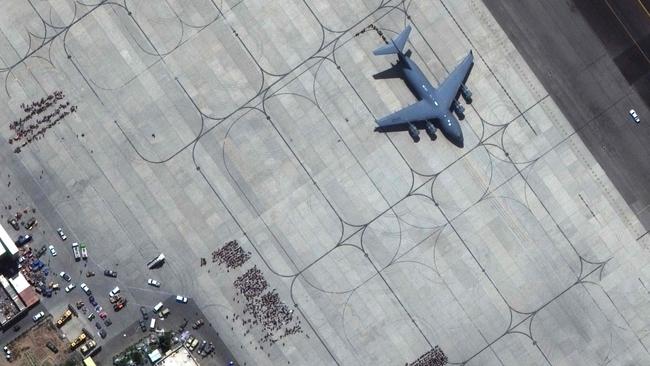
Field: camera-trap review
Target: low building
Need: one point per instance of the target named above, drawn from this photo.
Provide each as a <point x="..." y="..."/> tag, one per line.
<point x="16" y="297"/>
<point x="178" y="357"/>
<point x="8" y="246"/>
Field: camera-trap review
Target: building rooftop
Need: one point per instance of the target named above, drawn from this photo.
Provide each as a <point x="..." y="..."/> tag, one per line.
<point x="8" y="244"/>
<point x="179" y="357"/>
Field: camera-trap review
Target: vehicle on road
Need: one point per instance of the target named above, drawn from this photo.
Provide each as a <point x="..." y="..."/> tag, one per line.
<point x="143" y="311"/>
<point x="156" y="262"/>
<point x="65" y="276"/>
<point x="14" y="224"/>
<point x="70" y="287"/>
<point x="152" y="282"/>
<point x="31" y="223"/>
<point x="84" y="251"/>
<point x="197" y="324"/>
<point x="157" y="307"/>
<point x="38" y="316"/>
<point x="85" y="288"/>
<point x="90" y="273"/>
<point x="114" y="291"/>
<point x="181" y="299"/>
<point x="635" y="116"/>
<point x="23" y="239"/>
<point x="75" y="251"/>
<point x="52" y="347"/>
<point x="86" y="348"/>
<point x="67" y="315"/>
<point x="52" y="250"/>
<point x="39" y="253"/>
<point x="109" y="273"/>
<point x="61" y="234"/>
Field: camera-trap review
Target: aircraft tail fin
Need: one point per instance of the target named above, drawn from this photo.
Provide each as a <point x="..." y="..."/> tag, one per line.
<point x="396" y="45"/>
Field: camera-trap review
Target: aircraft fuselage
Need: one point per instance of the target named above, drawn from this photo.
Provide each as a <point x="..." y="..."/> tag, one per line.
<point x="423" y="90"/>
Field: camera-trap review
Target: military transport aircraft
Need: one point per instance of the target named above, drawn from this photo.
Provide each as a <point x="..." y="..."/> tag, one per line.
<point x="435" y="106"/>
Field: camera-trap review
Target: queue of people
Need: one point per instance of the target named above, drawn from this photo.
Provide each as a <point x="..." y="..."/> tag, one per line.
<point x="435" y="357"/>
<point x="231" y="254"/>
<point x="28" y="128"/>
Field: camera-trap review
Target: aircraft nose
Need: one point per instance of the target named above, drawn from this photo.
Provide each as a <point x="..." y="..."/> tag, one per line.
<point x="457" y="138"/>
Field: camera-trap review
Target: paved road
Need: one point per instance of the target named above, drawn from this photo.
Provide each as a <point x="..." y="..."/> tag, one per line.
<point x="592" y="57"/>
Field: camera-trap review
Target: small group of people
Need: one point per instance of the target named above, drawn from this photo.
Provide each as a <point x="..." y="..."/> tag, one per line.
<point x="27" y="129"/>
<point x="231" y="254"/>
<point x="435" y="357"/>
<point x="264" y="308"/>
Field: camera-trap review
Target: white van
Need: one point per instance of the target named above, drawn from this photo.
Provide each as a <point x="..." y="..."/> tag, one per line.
<point x="152" y="325"/>
<point x="157" y="307"/>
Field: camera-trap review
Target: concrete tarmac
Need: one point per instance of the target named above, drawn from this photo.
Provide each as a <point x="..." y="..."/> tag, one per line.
<point x="593" y="58"/>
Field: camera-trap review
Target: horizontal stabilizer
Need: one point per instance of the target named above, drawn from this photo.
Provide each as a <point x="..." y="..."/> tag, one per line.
<point x="396" y="45"/>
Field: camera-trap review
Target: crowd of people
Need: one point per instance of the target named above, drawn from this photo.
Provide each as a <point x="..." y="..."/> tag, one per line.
<point x="231" y="254"/>
<point x="263" y="307"/>
<point x="372" y="27"/>
<point x="33" y="125"/>
<point x="435" y="357"/>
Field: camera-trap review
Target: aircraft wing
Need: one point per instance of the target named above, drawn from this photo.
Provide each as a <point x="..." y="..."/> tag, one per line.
<point x="419" y="111"/>
<point x="449" y="90"/>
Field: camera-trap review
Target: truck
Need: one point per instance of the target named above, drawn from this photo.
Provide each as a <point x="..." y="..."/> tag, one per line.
<point x="67" y="315"/>
<point x="86" y="348"/>
<point x="78" y="341"/>
<point x="75" y="250"/>
<point x="156" y="262"/>
<point x="84" y="251"/>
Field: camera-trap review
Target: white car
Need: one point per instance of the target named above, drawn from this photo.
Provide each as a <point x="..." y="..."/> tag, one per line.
<point x="65" y="276"/>
<point x="153" y="283"/>
<point x="181" y="299"/>
<point x="38" y="315"/>
<point x="114" y="291"/>
<point x="635" y="116"/>
<point x="52" y="250"/>
<point x="70" y="287"/>
<point x="85" y="288"/>
<point x="61" y="234"/>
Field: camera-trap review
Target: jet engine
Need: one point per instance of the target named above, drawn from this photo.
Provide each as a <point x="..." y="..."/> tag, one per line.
<point x="458" y="109"/>
<point x="466" y="93"/>
<point x="415" y="134"/>
<point x="431" y="130"/>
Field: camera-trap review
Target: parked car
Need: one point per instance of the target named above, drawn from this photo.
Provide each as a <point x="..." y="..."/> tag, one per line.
<point x="65" y="276"/>
<point x="85" y="288"/>
<point x="91" y="298"/>
<point x="23" y="239"/>
<point x="107" y="322"/>
<point x="14" y="224"/>
<point x="181" y="299"/>
<point x="635" y="116"/>
<point x="197" y="324"/>
<point x="102" y="333"/>
<point x="153" y="283"/>
<point x="102" y="314"/>
<point x="143" y="311"/>
<point x="143" y="325"/>
<point x="91" y="316"/>
<point x="109" y="273"/>
<point x="52" y="347"/>
<point x="39" y="253"/>
<point x="38" y="316"/>
<point x="31" y="223"/>
<point x="114" y="291"/>
<point x="61" y="234"/>
<point x="98" y="324"/>
<point x="52" y="250"/>
<point x="70" y="287"/>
